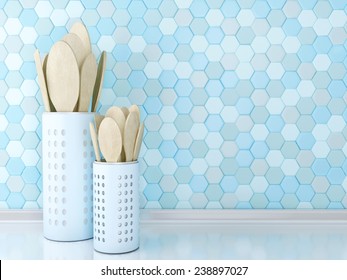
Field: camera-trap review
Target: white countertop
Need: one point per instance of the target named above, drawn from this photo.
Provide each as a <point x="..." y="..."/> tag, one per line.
<point x="190" y="240"/>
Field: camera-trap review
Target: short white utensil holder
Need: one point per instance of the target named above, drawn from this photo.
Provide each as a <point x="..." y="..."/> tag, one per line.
<point x="116" y="207"/>
<point x="67" y="165"/>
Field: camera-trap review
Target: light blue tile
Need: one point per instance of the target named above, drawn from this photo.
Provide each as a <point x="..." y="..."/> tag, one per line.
<point x="199" y="8"/>
<point x="259" y="149"/>
<point x="183" y="105"/>
<point x="15" y="166"/>
<point x="215" y="35"/>
<point x="261" y="9"/>
<point x="274" y="175"/>
<point x="183" y="175"/>
<point x="137" y="26"/>
<point x="15" y="200"/>
<point x="336" y="176"/>
<point x="13" y="9"/>
<point x="305" y="193"/>
<point x="168" y="43"/>
<point x="244" y="158"/>
<point x="106" y="25"/>
<point x="274" y="193"/>
<point x="198" y="184"/>
<point x="28" y="17"/>
<point x="152" y="192"/>
<point x="214" y="123"/>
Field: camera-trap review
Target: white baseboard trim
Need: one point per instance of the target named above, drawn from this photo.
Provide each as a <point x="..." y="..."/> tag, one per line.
<point x="207" y="216"/>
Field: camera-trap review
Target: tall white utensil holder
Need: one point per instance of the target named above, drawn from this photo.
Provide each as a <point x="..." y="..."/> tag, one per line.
<point x="116" y="207"/>
<point x="67" y="162"/>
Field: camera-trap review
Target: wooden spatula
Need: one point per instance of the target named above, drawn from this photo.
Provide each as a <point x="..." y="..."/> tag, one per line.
<point x="138" y="142"/>
<point x="99" y="81"/>
<point x="131" y="127"/>
<point x="42" y="81"/>
<point x="98" y="119"/>
<point x="110" y="140"/>
<point x="88" y="76"/>
<point x="81" y="31"/>
<point x="135" y="108"/>
<point x="117" y="115"/>
<point x="63" y="77"/>
<point x="77" y="47"/>
<point x="125" y="111"/>
<point x="44" y="69"/>
<point x="94" y="137"/>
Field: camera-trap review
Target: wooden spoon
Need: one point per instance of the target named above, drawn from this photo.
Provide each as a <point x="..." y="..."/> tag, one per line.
<point x="125" y="111"/>
<point x="44" y="68"/>
<point x="138" y="142"/>
<point x="81" y="31"/>
<point x="135" y="108"/>
<point x="77" y="47"/>
<point x="117" y="115"/>
<point x="110" y="140"/>
<point x="131" y="127"/>
<point x="42" y="81"/>
<point x="88" y="76"/>
<point x="63" y="77"/>
<point x="98" y="119"/>
<point x="99" y="81"/>
<point x="94" y="137"/>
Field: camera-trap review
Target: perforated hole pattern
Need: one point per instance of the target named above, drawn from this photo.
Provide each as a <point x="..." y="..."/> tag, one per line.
<point x="59" y="196"/>
<point x="115" y="213"/>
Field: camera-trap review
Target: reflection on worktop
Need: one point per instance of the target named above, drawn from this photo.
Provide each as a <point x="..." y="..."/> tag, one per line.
<point x="285" y="240"/>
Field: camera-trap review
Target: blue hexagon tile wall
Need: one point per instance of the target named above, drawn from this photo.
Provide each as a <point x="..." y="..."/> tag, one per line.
<point x="244" y="102"/>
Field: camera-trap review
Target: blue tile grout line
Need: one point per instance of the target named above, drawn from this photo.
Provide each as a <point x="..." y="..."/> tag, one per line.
<point x="244" y="102"/>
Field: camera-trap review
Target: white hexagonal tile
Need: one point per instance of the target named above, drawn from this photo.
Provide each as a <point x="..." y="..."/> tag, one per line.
<point x="28" y="35"/>
<point x="245" y="17"/>
<point x="3" y="123"/>
<point x="74" y="9"/>
<point x="30" y="157"/>
<point x="214" y="17"/>
<point x="59" y="17"/>
<point x="13" y="26"/>
<point x="14" y="149"/>
<point x="168" y="26"/>
<point x="43" y="9"/>
<point x="137" y="44"/>
<point x="183" y="70"/>
<point x="322" y="27"/>
<point x="30" y="122"/>
<point x="322" y="62"/>
<point x="199" y="43"/>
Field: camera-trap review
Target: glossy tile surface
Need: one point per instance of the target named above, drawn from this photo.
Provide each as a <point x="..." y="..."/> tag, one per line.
<point x="244" y="102"/>
<point x="283" y="240"/>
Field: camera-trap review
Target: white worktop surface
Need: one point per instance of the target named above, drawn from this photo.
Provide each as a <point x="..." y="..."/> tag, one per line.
<point x="190" y="240"/>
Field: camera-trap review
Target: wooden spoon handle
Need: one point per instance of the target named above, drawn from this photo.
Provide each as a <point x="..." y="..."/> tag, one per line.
<point x="42" y="81"/>
<point x="94" y="141"/>
<point x="99" y="81"/>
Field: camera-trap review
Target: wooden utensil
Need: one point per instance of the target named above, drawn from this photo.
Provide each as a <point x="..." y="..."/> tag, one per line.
<point x="77" y="47"/>
<point x="94" y="137"/>
<point x="131" y="127"/>
<point x="117" y="115"/>
<point x="63" y="77"/>
<point x="88" y="76"/>
<point x="135" y="108"/>
<point x="125" y="111"/>
<point x="98" y="119"/>
<point x="110" y="140"/>
<point x="138" y="142"/>
<point x="44" y="69"/>
<point x="99" y="81"/>
<point x="42" y="81"/>
<point x="81" y="31"/>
